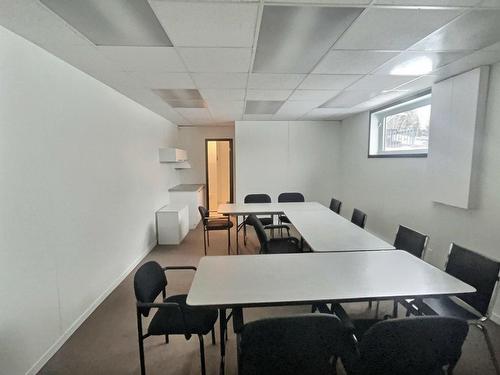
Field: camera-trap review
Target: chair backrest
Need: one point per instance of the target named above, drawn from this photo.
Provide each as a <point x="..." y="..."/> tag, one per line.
<point x="358" y="218"/>
<point x="476" y="270"/>
<point x="259" y="229"/>
<point x="149" y="282"/>
<point x="335" y="205"/>
<point x="257" y="198"/>
<point x="411" y="241"/>
<point x="203" y="212"/>
<point x="411" y="346"/>
<point x="305" y="344"/>
<point x="291" y="197"/>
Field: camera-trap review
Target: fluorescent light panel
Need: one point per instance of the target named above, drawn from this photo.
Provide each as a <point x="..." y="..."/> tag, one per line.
<point x="262" y="107"/>
<point x="182" y="98"/>
<point x="292" y="39"/>
<point x="112" y="22"/>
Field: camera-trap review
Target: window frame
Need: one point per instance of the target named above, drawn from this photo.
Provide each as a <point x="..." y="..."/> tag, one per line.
<point x="401" y="154"/>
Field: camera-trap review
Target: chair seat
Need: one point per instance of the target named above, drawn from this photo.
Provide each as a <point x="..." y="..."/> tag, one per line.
<point x="284" y="219"/>
<point x="198" y="320"/>
<point x="219" y="224"/>
<point x="283" y="246"/>
<point x="445" y="306"/>
<point x="264" y="220"/>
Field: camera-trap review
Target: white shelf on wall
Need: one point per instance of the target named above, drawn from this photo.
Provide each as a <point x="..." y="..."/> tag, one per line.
<point x="172" y="155"/>
<point x="182" y="165"/>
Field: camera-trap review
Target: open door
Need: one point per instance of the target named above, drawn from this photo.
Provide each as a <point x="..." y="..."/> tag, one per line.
<point x="219" y="172"/>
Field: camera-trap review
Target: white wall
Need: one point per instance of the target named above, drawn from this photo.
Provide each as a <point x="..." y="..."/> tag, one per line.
<point x="396" y="191"/>
<point x="192" y="139"/>
<point x="79" y="184"/>
<point x="280" y="156"/>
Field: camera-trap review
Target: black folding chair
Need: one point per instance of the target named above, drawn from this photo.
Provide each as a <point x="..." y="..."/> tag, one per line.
<point x="274" y="245"/>
<point x="358" y="218"/>
<point x="173" y="315"/>
<point x="304" y="344"/>
<point x="410" y="346"/>
<point x="214" y="225"/>
<point x="335" y="205"/>
<point x="289" y="197"/>
<point x="473" y="269"/>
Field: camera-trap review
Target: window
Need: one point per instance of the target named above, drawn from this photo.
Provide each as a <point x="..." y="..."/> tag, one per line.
<point x="402" y="129"/>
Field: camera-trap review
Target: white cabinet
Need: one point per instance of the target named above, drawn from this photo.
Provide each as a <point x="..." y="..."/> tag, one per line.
<point x="172" y="155"/>
<point x="458" y="108"/>
<point x="172" y="224"/>
<point x="192" y="195"/>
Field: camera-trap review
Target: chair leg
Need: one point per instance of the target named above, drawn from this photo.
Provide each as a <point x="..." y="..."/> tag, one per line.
<point x="395" y="309"/>
<point x="208" y="238"/>
<point x="491" y="349"/>
<point x="229" y="242"/>
<point x="141" y="343"/>
<point x="244" y="233"/>
<point x="376" y="309"/>
<point x="213" y="335"/>
<point x="166" y="339"/>
<point x="202" y="354"/>
<point x="370" y="304"/>
<point x="205" y="241"/>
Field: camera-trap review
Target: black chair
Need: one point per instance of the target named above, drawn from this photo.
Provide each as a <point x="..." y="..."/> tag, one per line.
<point x="410" y="346"/>
<point x="280" y="245"/>
<point x="358" y="218"/>
<point x="335" y="205"/>
<point x="414" y="243"/>
<point x="267" y="222"/>
<point x="212" y="225"/>
<point x="173" y="315"/>
<point x="304" y="344"/>
<point x="473" y="269"/>
<point x="289" y="197"/>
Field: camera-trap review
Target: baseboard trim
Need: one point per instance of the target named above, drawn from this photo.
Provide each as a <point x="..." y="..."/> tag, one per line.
<point x="66" y="335"/>
<point x="495" y="318"/>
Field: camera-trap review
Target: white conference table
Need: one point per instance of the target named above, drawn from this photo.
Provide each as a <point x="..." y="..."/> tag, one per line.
<point x="323" y="229"/>
<point x="223" y="282"/>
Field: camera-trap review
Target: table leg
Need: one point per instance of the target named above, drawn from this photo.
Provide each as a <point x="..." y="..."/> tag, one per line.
<point x="236" y="230"/>
<point x="237" y="319"/>
<point x="223" y="327"/>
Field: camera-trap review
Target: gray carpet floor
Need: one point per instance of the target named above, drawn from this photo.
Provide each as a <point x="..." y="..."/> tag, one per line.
<point x="106" y="343"/>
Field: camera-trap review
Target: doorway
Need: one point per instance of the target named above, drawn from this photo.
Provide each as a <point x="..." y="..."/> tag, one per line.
<point x="219" y="172"/>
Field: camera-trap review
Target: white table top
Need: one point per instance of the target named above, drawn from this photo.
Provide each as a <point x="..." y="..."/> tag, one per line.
<point x="280" y="279"/>
<point x="265" y="208"/>
<point x="324" y="231"/>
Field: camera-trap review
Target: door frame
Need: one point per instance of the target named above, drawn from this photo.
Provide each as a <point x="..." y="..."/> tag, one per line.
<point x="231" y="170"/>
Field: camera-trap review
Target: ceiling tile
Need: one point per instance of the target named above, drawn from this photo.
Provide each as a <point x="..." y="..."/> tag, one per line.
<point x="144" y="59"/>
<point x="202" y="60"/>
<point x="324" y="114"/>
<point x="226" y="110"/>
<point x="257" y="117"/>
<point x="442" y="3"/>
<point x="181" y="98"/>
<point x="268" y="94"/>
<point x="332" y="2"/>
<point x="380" y="82"/>
<point x="293" y="38"/>
<point x="418" y="63"/>
<point x="223" y="94"/>
<point x="348" y="99"/>
<point x="199" y="24"/>
<point x="195" y="115"/>
<point x="418" y="84"/>
<point x="478" y="58"/>
<point x="472" y="31"/>
<point x="328" y="81"/>
<point x="158" y="80"/>
<point x="112" y="22"/>
<point x="352" y="62"/>
<point x="220" y="80"/>
<point x="293" y="110"/>
<point x="262" y="107"/>
<point x="393" y="29"/>
<point x="320" y="96"/>
<point x="274" y="81"/>
<point x="381" y="100"/>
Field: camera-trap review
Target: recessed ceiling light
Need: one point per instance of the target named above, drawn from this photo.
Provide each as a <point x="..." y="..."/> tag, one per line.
<point x="262" y="107"/>
<point x="415" y="67"/>
<point x="112" y="22"/>
<point x="182" y="98"/>
<point x="292" y="39"/>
